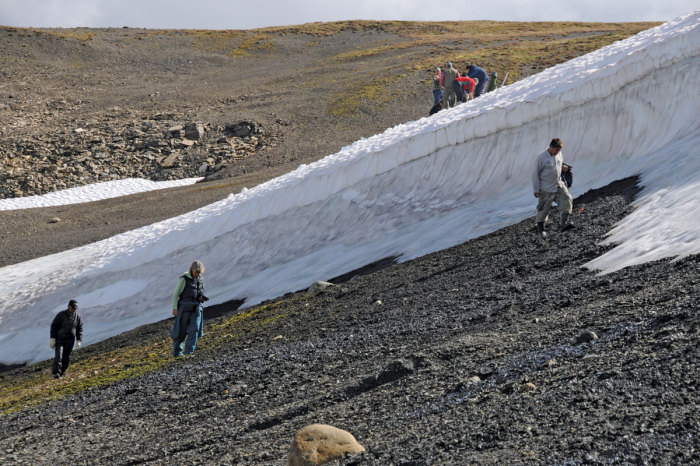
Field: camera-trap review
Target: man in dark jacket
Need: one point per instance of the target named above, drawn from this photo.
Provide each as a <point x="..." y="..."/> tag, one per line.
<point x="66" y="329"/>
<point x="479" y="73"/>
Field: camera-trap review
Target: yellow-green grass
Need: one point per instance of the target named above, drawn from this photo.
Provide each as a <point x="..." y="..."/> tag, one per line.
<point x="233" y="43"/>
<point x="480" y="30"/>
<point x="514" y="57"/>
<point x="511" y="58"/>
<point x="22" y="390"/>
<point x="77" y="34"/>
<point x="503" y="47"/>
<point x="375" y="90"/>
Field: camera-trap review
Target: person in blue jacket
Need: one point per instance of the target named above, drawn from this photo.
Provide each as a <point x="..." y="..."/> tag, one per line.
<point x="187" y="309"/>
<point x="479" y="73"/>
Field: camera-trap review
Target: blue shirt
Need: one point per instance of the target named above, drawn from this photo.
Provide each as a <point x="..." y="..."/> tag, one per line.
<point x="479" y="73"/>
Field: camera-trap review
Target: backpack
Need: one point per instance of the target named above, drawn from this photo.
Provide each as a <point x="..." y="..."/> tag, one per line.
<point x="567" y="177"/>
<point x="436" y="108"/>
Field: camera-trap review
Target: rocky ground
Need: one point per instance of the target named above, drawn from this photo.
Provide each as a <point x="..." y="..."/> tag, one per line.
<point x="502" y="350"/>
<point x="82" y="106"/>
<point x="151" y="148"/>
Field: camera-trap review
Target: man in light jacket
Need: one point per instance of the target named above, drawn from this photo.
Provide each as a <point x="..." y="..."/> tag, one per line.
<point x="549" y="187"/>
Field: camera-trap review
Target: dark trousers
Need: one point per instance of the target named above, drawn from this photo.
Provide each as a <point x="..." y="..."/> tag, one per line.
<point x="480" y="88"/>
<point x="190" y="316"/>
<point x="62" y="359"/>
<point x="437" y="96"/>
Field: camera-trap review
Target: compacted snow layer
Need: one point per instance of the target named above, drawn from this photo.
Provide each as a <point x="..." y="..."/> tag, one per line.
<point x="627" y="109"/>
<point x="92" y="192"/>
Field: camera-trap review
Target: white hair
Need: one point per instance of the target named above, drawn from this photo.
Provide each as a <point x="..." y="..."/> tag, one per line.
<point x="197" y="266"/>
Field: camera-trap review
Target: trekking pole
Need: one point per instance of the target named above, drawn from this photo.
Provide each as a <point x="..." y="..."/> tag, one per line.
<point x="504" y="79"/>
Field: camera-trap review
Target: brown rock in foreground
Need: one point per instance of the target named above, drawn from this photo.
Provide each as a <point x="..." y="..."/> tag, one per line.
<point x="320" y="443"/>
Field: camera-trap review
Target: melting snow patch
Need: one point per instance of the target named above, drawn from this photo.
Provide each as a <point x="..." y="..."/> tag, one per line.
<point x="93" y="192"/>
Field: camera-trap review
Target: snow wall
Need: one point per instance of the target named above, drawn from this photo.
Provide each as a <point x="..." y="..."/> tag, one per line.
<point x="627" y="109"/>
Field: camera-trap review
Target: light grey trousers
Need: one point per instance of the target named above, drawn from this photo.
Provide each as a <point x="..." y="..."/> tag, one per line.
<point x="544" y="205"/>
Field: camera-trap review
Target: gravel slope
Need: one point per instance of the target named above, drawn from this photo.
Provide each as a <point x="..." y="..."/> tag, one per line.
<point x="393" y="357"/>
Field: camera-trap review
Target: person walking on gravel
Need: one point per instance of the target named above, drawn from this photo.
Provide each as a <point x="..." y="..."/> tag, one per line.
<point x="548" y="187"/>
<point x="66" y="329"/>
<point x="187" y="309"/>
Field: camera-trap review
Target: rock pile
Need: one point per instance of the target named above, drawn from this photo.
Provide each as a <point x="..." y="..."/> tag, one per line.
<point x="156" y="147"/>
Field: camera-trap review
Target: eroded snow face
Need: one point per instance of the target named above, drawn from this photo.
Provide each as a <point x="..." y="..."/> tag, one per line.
<point x="627" y="109"/>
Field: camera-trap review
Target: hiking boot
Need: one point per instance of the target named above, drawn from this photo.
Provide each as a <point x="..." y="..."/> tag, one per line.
<point x="565" y="223"/>
<point x="540" y="230"/>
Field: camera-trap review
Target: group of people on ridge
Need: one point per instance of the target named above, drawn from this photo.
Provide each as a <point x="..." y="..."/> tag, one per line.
<point x="450" y="87"/>
<point x="67" y="327"/>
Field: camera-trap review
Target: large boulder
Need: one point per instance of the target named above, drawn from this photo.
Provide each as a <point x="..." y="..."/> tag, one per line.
<point x="194" y="131"/>
<point x="242" y="129"/>
<point x="585" y="337"/>
<point x="320" y="443"/>
<point x="319" y="287"/>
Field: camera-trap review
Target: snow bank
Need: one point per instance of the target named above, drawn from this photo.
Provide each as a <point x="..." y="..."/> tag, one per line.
<point x="629" y="108"/>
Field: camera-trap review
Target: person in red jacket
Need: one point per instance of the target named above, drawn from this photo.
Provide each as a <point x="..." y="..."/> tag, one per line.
<point x="468" y="84"/>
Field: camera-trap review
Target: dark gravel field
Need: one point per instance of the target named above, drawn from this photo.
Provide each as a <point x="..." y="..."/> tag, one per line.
<point x="502" y="350"/>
